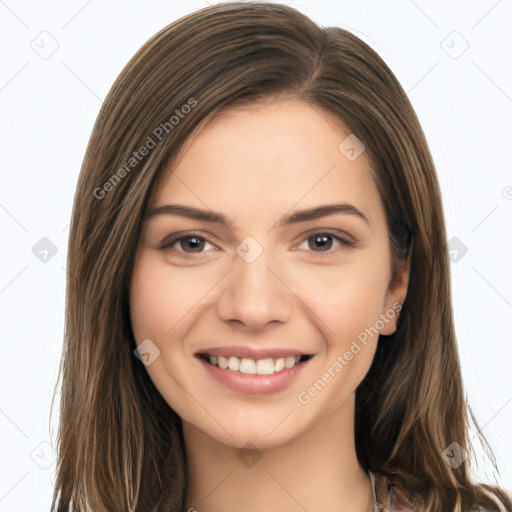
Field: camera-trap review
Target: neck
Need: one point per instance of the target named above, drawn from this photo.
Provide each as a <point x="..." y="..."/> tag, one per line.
<point x="317" y="471"/>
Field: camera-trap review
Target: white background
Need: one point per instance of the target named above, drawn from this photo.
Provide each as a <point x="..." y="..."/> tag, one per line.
<point x="48" y="106"/>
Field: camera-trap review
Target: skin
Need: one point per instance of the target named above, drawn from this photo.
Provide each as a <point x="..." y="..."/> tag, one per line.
<point x="255" y="164"/>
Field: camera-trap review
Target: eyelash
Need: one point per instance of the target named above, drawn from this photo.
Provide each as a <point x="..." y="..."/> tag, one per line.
<point x="179" y="237"/>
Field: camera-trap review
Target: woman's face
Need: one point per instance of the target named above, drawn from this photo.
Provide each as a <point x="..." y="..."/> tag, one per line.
<point x="251" y="273"/>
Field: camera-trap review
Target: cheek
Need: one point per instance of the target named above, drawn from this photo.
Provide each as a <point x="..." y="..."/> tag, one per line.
<point x="155" y="305"/>
<point x="161" y="296"/>
<point x="158" y="307"/>
<point x="349" y="298"/>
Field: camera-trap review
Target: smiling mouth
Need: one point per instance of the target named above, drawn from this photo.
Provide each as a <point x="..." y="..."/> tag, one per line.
<point x="267" y="366"/>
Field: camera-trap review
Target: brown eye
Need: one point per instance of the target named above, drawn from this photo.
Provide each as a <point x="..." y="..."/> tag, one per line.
<point x="186" y="244"/>
<point x="321" y="240"/>
<point x="192" y="242"/>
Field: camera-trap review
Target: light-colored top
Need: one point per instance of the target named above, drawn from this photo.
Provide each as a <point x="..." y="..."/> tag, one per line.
<point x="388" y="497"/>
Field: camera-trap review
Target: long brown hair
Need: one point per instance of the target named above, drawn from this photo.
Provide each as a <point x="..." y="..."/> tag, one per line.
<point x="120" y="446"/>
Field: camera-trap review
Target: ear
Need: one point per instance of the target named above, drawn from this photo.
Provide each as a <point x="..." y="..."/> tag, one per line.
<point x="395" y="297"/>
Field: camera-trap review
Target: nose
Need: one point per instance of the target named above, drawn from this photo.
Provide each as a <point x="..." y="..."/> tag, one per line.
<point x="254" y="295"/>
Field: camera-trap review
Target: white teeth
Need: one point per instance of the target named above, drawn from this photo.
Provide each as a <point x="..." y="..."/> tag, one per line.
<point x="265" y="366"/>
<point x="279" y="364"/>
<point x="248" y="366"/>
<point x="289" y="362"/>
<point x="234" y="364"/>
<point x="245" y="365"/>
<point x="222" y="362"/>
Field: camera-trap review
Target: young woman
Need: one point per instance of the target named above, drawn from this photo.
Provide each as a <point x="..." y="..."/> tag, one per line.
<point x="258" y="312"/>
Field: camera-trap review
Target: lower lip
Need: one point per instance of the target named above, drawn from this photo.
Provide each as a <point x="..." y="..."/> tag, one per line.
<point x="254" y="384"/>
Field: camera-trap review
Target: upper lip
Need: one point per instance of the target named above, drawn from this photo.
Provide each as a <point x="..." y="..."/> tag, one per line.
<point x="242" y="351"/>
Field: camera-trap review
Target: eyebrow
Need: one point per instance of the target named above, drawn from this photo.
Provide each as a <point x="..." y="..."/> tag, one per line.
<point x="293" y="218"/>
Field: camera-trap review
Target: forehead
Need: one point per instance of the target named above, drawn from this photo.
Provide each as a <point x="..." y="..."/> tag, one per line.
<point x="269" y="157"/>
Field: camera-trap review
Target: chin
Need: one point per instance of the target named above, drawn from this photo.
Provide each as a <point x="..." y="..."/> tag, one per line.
<point x="249" y="432"/>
